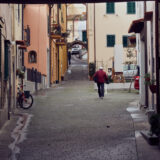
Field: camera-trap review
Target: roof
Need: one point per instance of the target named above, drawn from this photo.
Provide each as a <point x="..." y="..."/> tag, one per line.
<point x="136" y="26"/>
<point x="148" y="16"/>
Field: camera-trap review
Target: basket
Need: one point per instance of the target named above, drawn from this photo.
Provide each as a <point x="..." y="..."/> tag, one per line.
<point x="26" y="93"/>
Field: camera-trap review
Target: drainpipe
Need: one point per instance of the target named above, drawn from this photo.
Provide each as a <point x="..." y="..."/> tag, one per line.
<point x="157" y="55"/>
<point x="146" y="55"/>
<point x="58" y="45"/>
<point x="50" y="7"/>
<point x="94" y="35"/>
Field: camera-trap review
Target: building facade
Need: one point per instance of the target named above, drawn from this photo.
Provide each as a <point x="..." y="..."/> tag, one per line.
<point x="107" y="33"/>
<point x="36" y="35"/>
<point x="145" y="27"/>
<point x="58" y="34"/>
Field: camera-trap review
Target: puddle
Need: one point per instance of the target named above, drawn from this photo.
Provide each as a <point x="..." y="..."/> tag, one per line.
<point x="132" y="109"/>
<point x="137" y="134"/>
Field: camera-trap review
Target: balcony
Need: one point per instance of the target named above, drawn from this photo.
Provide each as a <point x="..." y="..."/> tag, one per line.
<point x="61" y="41"/>
<point x="55" y="31"/>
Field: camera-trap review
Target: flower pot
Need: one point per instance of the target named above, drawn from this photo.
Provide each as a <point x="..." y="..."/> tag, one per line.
<point x="153" y="88"/>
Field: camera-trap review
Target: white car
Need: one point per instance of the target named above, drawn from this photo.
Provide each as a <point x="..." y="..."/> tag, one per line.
<point x="130" y="71"/>
<point x="76" y="49"/>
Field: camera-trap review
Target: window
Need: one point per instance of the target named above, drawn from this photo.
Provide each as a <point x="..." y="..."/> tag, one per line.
<point x="131" y="8"/>
<point x="32" y="57"/>
<point x="27" y="35"/>
<point x="110" y="8"/>
<point x="84" y="36"/>
<point x="110" y="40"/>
<point x="125" y="41"/>
<point x="6" y="59"/>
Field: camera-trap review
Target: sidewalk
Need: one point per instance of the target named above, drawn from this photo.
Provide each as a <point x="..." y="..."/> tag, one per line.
<point x="140" y="119"/>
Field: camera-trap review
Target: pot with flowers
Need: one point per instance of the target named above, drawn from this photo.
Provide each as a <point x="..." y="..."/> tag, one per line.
<point x="20" y="73"/>
<point x="150" y="82"/>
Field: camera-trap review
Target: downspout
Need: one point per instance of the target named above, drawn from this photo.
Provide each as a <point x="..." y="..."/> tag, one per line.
<point x="157" y="55"/>
<point x="67" y="31"/>
<point x="58" y="45"/>
<point x="146" y="55"/>
<point x="94" y="35"/>
<point x="87" y="31"/>
<point x="50" y="7"/>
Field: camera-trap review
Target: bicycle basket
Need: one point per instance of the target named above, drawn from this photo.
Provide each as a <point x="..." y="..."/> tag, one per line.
<point x="26" y="93"/>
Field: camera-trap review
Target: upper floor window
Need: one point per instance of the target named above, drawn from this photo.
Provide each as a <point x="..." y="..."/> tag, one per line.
<point x="110" y="8"/>
<point x="125" y="41"/>
<point x="27" y="35"/>
<point x="131" y="9"/>
<point x="32" y="57"/>
<point x="110" y="40"/>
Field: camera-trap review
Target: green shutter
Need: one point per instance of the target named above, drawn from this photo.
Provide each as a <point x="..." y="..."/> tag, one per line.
<point x="125" y="41"/>
<point x="84" y="36"/>
<point x="6" y="64"/>
<point x="0" y="51"/>
<point x="110" y="40"/>
<point x="131" y="8"/>
<point x="110" y="8"/>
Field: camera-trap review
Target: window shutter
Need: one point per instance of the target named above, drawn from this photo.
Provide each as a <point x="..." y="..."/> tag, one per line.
<point x="131" y="8"/>
<point x="6" y="58"/>
<point x="110" y="40"/>
<point x="125" y="41"/>
<point x="110" y="8"/>
<point x="0" y="51"/>
<point x="84" y="36"/>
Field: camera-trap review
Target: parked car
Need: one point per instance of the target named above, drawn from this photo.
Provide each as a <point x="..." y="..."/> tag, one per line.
<point x="76" y="49"/>
<point x="129" y="71"/>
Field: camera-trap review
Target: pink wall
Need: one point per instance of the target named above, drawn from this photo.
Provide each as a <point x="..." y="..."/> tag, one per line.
<point x="36" y="16"/>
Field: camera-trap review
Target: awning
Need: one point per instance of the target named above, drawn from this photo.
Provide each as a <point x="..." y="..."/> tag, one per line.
<point x="20" y="42"/>
<point x="55" y="36"/>
<point x="136" y="26"/>
<point x="61" y="43"/>
<point x="22" y="47"/>
<point x="148" y="16"/>
<point x="132" y="39"/>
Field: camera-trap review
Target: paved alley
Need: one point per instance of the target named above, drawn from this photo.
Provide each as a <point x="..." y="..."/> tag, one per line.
<point x="70" y="122"/>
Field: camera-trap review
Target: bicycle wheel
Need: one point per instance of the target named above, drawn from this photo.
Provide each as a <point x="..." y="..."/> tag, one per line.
<point x="27" y="102"/>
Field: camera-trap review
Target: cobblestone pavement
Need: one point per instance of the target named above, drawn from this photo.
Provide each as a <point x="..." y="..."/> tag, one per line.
<point x="70" y="122"/>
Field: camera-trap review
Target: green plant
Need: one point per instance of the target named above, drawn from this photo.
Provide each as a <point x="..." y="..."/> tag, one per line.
<point x="92" y="69"/>
<point x="20" y="73"/>
<point x="155" y="124"/>
<point x="148" y="80"/>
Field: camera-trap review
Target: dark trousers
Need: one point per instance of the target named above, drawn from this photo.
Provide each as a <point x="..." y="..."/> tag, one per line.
<point x="100" y="89"/>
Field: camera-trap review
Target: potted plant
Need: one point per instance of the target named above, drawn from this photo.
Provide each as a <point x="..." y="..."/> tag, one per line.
<point x="92" y="69"/>
<point x="20" y="73"/>
<point x="150" y="82"/>
<point x="154" y="121"/>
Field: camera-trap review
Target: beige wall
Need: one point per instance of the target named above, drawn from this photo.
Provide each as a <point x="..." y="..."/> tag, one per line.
<point x="117" y="24"/>
<point x="72" y="26"/>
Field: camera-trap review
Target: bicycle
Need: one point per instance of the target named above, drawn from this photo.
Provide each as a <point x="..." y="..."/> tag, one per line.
<point x="24" y="98"/>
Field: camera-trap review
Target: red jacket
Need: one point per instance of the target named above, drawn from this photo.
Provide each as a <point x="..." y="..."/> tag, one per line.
<point x="101" y="76"/>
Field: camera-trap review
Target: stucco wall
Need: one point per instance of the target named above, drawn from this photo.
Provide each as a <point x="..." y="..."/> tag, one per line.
<point x="106" y="24"/>
<point x="36" y="17"/>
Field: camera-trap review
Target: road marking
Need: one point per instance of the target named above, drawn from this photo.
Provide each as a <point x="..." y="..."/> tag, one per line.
<point x="19" y="134"/>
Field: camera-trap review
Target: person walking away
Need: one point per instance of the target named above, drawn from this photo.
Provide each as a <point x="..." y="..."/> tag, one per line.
<point x="69" y="57"/>
<point x="101" y="77"/>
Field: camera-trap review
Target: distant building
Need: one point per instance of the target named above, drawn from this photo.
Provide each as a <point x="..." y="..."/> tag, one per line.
<point x="76" y="22"/>
<point x="107" y="33"/>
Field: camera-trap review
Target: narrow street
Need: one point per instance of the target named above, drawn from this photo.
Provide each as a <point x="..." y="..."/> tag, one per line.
<point x="70" y="122"/>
